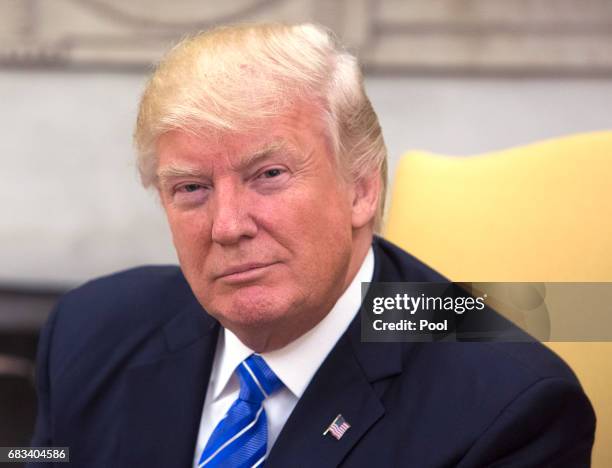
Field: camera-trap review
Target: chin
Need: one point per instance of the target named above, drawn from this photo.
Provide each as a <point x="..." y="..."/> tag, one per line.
<point x="251" y="307"/>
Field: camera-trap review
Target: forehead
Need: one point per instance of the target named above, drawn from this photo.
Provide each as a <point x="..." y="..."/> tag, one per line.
<point x="299" y="130"/>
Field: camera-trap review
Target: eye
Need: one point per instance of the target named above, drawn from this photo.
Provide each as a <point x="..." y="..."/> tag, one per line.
<point x="189" y="188"/>
<point x="190" y="194"/>
<point x="271" y="173"/>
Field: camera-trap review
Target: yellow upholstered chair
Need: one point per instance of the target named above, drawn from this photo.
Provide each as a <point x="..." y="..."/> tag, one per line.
<point x="540" y="213"/>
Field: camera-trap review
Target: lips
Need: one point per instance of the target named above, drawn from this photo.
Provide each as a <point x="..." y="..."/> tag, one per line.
<point x="245" y="270"/>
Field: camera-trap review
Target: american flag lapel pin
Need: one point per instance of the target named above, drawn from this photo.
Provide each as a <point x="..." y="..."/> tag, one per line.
<point x="338" y="427"/>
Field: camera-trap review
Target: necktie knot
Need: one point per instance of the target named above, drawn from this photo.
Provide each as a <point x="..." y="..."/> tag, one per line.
<point x="257" y="380"/>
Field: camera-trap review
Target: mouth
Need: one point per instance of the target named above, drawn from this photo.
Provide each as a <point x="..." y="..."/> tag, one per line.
<point x="244" y="272"/>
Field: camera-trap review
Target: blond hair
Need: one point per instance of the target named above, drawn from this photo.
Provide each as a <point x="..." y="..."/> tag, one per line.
<point x="232" y="78"/>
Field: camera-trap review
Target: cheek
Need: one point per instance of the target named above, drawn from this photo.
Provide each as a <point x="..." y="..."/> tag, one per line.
<point x="322" y="205"/>
<point x="317" y="224"/>
<point x="188" y="233"/>
<point x="332" y="213"/>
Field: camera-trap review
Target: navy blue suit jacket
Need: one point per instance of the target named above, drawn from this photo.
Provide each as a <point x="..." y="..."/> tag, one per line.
<point x="124" y="363"/>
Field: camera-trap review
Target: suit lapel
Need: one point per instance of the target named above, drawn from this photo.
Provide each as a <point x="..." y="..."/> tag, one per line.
<point x="344" y="384"/>
<point x="163" y="397"/>
<point x="339" y="387"/>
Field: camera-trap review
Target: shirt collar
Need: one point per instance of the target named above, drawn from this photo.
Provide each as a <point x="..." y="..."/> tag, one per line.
<point x="296" y="363"/>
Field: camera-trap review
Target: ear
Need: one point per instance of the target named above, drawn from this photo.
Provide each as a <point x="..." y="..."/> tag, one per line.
<point x="366" y="192"/>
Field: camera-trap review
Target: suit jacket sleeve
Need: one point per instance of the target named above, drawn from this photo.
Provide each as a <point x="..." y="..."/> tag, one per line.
<point x="43" y="434"/>
<point x="551" y="423"/>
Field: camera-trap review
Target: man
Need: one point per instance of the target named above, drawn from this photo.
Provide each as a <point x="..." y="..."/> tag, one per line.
<point x="270" y="165"/>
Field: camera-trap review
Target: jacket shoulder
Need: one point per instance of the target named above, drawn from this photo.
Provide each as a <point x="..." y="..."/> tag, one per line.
<point x="494" y="371"/>
<point x="394" y="264"/>
<point x="119" y="295"/>
<point x="112" y="315"/>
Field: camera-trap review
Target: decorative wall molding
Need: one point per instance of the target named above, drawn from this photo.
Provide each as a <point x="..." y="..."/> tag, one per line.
<point x="403" y="36"/>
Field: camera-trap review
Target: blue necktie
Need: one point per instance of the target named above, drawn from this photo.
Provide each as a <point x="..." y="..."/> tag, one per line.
<point x="240" y="439"/>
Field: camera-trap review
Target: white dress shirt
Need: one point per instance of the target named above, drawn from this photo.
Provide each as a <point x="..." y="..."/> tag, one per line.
<point x="295" y="364"/>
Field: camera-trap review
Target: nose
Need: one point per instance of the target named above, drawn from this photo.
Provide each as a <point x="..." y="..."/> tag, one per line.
<point x="231" y="220"/>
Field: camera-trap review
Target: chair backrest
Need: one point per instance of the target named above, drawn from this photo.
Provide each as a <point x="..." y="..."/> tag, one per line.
<point x="540" y="213"/>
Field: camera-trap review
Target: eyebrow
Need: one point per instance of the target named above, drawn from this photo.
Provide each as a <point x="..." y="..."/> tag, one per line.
<point x="261" y="154"/>
<point x="172" y="171"/>
<point x="178" y="171"/>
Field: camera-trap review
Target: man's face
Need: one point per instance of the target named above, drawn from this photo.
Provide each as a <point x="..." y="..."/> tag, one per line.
<point x="262" y="222"/>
